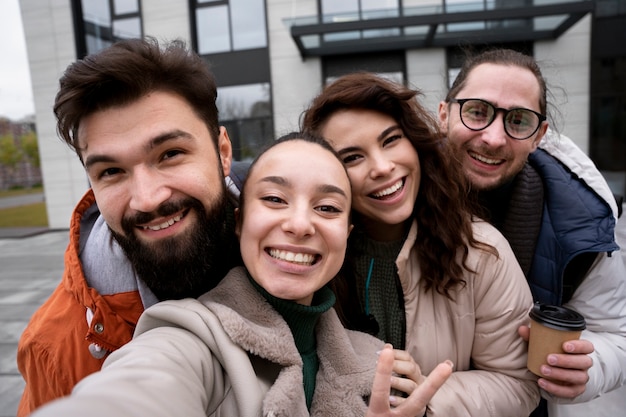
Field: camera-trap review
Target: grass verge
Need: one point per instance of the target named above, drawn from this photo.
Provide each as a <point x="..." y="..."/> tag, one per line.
<point x="24" y="216"/>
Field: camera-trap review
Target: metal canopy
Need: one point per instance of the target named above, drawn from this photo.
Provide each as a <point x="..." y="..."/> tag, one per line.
<point x="425" y="27"/>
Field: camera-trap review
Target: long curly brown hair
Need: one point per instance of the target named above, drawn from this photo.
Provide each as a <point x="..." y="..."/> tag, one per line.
<point x="443" y="207"/>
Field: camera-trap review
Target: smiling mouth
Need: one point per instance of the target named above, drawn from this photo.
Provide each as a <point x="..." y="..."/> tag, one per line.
<point x="293" y="257"/>
<point x="165" y="224"/>
<point x="389" y="190"/>
<point x="485" y="160"/>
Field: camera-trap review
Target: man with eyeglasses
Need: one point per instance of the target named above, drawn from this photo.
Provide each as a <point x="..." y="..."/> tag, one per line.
<point x="552" y="204"/>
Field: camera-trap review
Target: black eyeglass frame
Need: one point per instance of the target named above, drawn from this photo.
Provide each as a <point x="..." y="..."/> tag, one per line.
<point x="461" y="101"/>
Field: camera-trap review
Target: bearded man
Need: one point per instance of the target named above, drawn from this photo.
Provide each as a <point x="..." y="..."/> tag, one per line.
<point x="157" y="222"/>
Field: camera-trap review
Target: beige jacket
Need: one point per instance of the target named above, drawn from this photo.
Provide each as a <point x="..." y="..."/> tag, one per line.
<point x="228" y="353"/>
<point x="477" y="331"/>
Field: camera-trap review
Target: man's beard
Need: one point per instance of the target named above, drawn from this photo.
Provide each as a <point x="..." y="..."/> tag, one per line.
<point x="186" y="265"/>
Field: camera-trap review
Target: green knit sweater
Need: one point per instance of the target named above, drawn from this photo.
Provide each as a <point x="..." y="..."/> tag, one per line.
<point x="302" y="320"/>
<point x="378" y="285"/>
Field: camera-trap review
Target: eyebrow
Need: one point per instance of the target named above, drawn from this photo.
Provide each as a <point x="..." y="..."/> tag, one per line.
<point x="156" y="141"/>
<point x="380" y="137"/>
<point x="323" y="188"/>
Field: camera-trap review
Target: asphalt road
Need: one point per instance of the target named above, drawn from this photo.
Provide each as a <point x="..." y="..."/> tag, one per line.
<point x="21" y="200"/>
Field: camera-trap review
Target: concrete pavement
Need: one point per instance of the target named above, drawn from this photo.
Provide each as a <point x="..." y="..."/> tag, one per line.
<point x="30" y="268"/>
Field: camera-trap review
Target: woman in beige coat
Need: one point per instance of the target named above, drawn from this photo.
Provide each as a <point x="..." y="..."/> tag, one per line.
<point x="420" y="273"/>
<point x="265" y="341"/>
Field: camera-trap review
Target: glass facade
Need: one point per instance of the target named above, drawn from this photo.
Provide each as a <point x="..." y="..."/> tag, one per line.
<point x="607" y="143"/>
<point x="349" y="10"/>
<point x="233" y="25"/>
<point x="213" y="29"/>
<point x="465" y="6"/>
<point x="103" y="22"/>
<point x="246" y="112"/>
<point x="391" y="65"/>
<point x="333" y="11"/>
<point x="232" y="36"/>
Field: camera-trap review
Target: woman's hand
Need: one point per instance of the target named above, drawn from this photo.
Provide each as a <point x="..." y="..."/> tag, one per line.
<point x="406" y="376"/>
<point x="420" y="389"/>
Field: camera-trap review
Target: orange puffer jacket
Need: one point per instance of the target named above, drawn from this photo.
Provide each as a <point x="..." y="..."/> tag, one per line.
<point x="58" y="348"/>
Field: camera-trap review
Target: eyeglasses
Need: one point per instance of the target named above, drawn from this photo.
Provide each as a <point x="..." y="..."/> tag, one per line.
<point x="519" y="123"/>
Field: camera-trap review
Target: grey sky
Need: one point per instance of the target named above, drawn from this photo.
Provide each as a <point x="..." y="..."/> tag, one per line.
<point x="16" y="97"/>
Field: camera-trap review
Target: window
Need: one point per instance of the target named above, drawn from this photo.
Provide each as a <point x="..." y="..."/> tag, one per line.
<point x="232" y="25"/>
<point x="352" y="10"/>
<point x="104" y="22"/>
<point x="464" y="6"/>
<point x="349" y="10"/>
<point x="390" y="65"/>
<point x="232" y="36"/>
<point x="607" y="141"/>
<point x="246" y="112"/>
<point x="213" y="30"/>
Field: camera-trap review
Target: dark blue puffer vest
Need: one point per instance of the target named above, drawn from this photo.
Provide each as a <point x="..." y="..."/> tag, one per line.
<point x="575" y="220"/>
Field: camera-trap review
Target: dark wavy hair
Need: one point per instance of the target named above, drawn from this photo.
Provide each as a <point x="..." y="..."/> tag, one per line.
<point x="442" y="208"/>
<point x="127" y="71"/>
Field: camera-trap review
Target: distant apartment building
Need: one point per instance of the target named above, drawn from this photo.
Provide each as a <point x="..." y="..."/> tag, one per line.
<point x="271" y="57"/>
<point x="18" y="170"/>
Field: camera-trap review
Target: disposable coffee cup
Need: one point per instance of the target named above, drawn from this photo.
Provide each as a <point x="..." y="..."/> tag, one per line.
<point x="550" y="327"/>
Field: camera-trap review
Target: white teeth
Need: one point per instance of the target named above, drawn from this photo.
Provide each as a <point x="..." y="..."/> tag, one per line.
<point x="165" y="224"/>
<point x="485" y="160"/>
<point x="389" y="190"/>
<point x="298" y="258"/>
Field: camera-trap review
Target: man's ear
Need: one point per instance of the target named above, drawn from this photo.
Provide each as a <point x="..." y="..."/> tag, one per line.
<point x="225" y="149"/>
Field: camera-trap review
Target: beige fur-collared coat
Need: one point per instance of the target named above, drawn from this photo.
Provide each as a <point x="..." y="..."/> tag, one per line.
<point x="227" y="354"/>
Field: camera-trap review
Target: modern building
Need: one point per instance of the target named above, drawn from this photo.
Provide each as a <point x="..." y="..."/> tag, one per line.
<point x="270" y="57"/>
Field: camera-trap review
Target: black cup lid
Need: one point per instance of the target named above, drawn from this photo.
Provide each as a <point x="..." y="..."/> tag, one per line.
<point x="557" y="317"/>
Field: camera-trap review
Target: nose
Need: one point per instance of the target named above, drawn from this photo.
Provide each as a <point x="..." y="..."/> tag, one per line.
<point x="494" y="135"/>
<point x="298" y="221"/>
<point x="148" y="190"/>
<point x="380" y="165"/>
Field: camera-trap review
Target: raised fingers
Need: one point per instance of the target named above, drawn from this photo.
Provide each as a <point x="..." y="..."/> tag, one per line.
<point x="421" y="396"/>
<point x="379" y="400"/>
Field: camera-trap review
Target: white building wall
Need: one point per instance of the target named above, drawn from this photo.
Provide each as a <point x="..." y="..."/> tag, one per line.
<point x="566" y="65"/>
<point x="294" y="82"/>
<point x="49" y="34"/>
